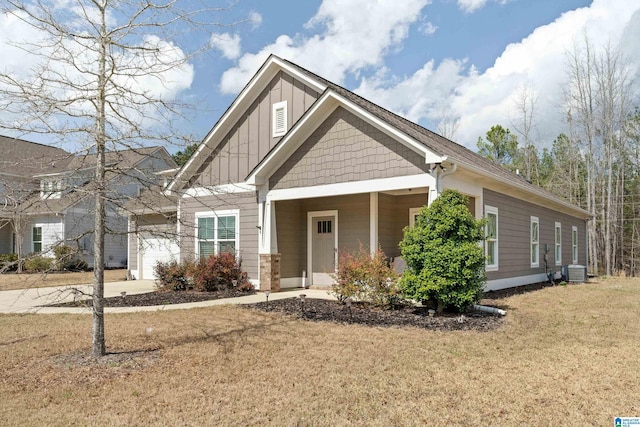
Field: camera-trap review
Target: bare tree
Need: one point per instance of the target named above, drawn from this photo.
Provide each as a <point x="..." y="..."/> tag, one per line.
<point x="524" y="122"/>
<point x="106" y="75"/>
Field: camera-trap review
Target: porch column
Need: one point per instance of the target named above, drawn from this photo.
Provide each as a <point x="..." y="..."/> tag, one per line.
<point x="269" y="266"/>
<point x="373" y="222"/>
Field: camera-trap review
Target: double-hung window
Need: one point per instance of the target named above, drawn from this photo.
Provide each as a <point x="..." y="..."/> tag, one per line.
<point x="491" y="241"/>
<point x="217" y="233"/>
<point x="574" y="244"/>
<point x="535" y="242"/>
<point x="558" y="237"/>
<point x="37" y="239"/>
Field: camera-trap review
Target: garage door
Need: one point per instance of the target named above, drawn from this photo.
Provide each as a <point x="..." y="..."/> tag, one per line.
<point x="155" y="248"/>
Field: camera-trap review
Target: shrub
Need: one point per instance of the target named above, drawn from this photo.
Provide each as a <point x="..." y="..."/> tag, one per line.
<point x="38" y="264"/>
<point x="8" y="262"/>
<point x="219" y="272"/>
<point x="444" y="261"/>
<point x="67" y="259"/>
<point x="366" y="278"/>
<point x="173" y="275"/>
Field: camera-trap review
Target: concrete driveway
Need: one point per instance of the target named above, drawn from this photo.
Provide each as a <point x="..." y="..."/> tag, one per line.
<point x="32" y="300"/>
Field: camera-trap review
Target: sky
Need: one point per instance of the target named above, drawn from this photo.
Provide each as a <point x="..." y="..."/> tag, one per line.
<point x="467" y="61"/>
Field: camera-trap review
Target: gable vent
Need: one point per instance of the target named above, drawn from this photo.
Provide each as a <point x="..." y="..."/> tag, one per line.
<point x="279" y="118"/>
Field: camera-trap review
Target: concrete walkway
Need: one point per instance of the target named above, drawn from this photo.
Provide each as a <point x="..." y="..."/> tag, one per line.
<point x="32" y="300"/>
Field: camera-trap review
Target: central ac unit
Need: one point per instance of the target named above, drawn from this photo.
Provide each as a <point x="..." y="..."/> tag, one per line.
<point x="575" y="273"/>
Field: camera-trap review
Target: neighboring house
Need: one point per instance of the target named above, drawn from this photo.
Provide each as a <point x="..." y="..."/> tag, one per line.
<point x="298" y="169"/>
<point x="56" y="204"/>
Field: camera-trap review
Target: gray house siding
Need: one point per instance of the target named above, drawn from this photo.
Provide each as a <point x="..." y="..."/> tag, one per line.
<point x="346" y="148"/>
<point x="393" y="217"/>
<point x="514" y="244"/>
<point x="251" y="138"/>
<point x="353" y="227"/>
<point x="246" y="203"/>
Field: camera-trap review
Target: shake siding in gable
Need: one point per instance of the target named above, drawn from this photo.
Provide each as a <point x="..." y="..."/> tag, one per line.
<point x="246" y="203"/>
<point x="514" y="216"/>
<point x="250" y="139"/>
<point x="346" y="148"/>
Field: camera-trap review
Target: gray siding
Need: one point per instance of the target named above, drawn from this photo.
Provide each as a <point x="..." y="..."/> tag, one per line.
<point x="394" y="217"/>
<point x="345" y="148"/>
<point x="353" y="227"/>
<point x="250" y="139"/>
<point x="246" y="203"/>
<point x="514" y="216"/>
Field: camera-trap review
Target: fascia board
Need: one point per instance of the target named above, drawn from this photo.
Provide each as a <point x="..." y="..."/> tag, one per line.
<point x="561" y="204"/>
<point x="258" y="82"/>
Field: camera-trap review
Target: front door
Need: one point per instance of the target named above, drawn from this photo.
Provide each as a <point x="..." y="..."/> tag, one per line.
<point x="323" y="249"/>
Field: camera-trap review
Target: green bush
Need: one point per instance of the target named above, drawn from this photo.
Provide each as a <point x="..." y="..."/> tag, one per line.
<point x="444" y="261"/>
<point x="8" y="262"/>
<point x="66" y="259"/>
<point x="38" y="264"/>
<point x="366" y="278"/>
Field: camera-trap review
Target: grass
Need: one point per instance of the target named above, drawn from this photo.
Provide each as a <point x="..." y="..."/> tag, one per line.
<point x="10" y="281"/>
<point x="567" y="355"/>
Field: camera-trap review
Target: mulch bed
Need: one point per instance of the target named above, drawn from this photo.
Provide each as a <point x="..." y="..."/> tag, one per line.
<point x="365" y="314"/>
<point x="157" y="298"/>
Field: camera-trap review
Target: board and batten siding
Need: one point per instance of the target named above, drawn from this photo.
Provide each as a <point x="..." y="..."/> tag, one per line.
<point x="291" y="225"/>
<point x="246" y="203"/>
<point x="346" y="148"/>
<point x="514" y="242"/>
<point x="251" y="138"/>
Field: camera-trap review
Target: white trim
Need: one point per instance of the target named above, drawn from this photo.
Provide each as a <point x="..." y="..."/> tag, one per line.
<point x="276" y="129"/>
<point x="534" y="220"/>
<point x="134" y="274"/>
<point x="216" y="190"/>
<point x="412" y="216"/>
<point x="251" y="91"/>
<point x="291" y="282"/>
<point x="493" y="267"/>
<point x="217" y="214"/>
<point x="313" y="118"/>
<point x="373" y="222"/>
<point x="576" y="251"/>
<point x="512" y="282"/>
<point x="355" y="187"/>
<point x="556" y="244"/>
<point x="310" y="216"/>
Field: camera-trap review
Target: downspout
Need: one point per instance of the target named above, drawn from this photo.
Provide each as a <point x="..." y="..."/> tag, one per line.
<point x="454" y="167"/>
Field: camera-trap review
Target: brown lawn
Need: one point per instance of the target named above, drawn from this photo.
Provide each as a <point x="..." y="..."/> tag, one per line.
<point x="565" y="356"/>
<point x="9" y="281"/>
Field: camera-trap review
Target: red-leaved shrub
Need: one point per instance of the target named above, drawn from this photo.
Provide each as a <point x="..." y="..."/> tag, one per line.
<point x="219" y="272"/>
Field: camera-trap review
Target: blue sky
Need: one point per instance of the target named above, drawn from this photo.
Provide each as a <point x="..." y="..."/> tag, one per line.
<point x="473" y="56"/>
<point x="463" y="63"/>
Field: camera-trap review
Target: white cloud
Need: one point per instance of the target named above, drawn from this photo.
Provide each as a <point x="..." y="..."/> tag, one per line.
<point x="428" y="28"/>
<point x="470" y="6"/>
<point x="483" y="99"/>
<point x="352" y="37"/>
<point x="256" y="19"/>
<point x="228" y="44"/>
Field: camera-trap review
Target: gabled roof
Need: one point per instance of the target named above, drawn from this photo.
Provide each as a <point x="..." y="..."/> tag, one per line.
<point x="435" y="147"/>
<point x="25" y="159"/>
<point x="271" y="67"/>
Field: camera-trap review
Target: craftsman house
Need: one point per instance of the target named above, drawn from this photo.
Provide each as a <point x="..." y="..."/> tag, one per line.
<point x="46" y="197"/>
<point x="298" y="169"/>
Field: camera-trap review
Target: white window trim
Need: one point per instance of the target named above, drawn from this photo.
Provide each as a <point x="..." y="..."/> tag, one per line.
<point x="279" y="131"/>
<point x="557" y="244"/>
<point x="216" y="214"/>
<point x="412" y="216"/>
<point x="33" y="242"/>
<point x="493" y="267"/>
<point x="574" y="245"/>
<point x="534" y="220"/>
